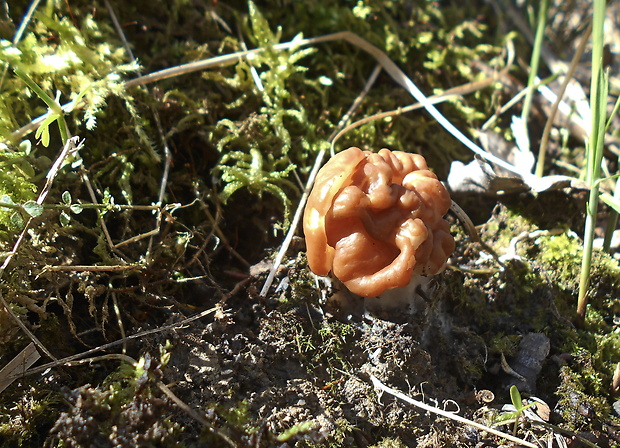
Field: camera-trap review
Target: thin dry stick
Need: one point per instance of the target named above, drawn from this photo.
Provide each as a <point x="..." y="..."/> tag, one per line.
<point x="119" y="29"/>
<point x="111" y="356"/>
<point x="160" y="211"/>
<point x="119" y="318"/>
<point x="554" y="109"/>
<point x="94" y="200"/>
<point x="85" y="268"/>
<point x="315" y="169"/>
<point x="19" y="33"/>
<point x="457" y="91"/>
<point x="80" y="356"/>
<point x="164" y="180"/>
<point x="162" y="136"/>
<point x="70" y="146"/>
<point x="193" y="413"/>
<point x="449" y="415"/>
<point x="390" y="67"/>
<point x="466" y="221"/>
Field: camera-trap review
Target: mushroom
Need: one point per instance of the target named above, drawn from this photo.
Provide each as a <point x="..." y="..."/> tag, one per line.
<point x="375" y="220"/>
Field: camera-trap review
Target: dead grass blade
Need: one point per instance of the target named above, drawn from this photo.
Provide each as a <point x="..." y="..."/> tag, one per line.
<point x="18" y="366"/>
<point x="388" y="65"/>
<point x="457" y="418"/>
<point x="315" y="170"/>
<point x="82" y="357"/>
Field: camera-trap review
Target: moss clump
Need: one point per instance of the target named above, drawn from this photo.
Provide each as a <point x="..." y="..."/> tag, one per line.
<point x="506" y="224"/>
<point x="228" y="421"/>
<point x="325" y="346"/>
<point x="562" y="254"/>
<point x="389" y="442"/>
<point x="333" y="339"/>
<point x="582" y="393"/>
<point x="125" y="411"/>
<point x="68" y="54"/>
<point x="27" y="413"/>
<point x="547" y="266"/>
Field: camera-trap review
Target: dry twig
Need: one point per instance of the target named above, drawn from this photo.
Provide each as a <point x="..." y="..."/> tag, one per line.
<point x="378" y="385"/>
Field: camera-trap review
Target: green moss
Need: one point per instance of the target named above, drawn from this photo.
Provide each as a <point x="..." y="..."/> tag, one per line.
<point x="389" y="442"/>
<point x="562" y="256"/>
<point x="549" y="265"/>
<point x="507" y="224"/>
<point x="325" y="346"/>
<point x="331" y="348"/>
<point x="582" y="393"/>
<point x="26" y="415"/>
<point x="77" y="60"/>
<point x="127" y="410"/>
<point x="506" y="344"/>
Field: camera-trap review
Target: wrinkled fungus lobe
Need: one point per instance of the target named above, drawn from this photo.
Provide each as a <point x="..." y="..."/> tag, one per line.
<point x="376" y="219"/>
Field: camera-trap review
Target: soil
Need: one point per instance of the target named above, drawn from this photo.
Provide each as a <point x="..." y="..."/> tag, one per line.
<point x="265" y="365"/>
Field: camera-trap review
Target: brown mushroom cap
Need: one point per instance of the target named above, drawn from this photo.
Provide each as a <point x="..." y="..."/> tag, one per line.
<point x="376" y="219"/>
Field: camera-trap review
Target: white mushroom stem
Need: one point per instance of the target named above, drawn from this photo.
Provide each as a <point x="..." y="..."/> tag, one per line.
<point x="406" y="298"/>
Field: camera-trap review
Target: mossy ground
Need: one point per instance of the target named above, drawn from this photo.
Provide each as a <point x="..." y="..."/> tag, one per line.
<point x="288" y="369"/>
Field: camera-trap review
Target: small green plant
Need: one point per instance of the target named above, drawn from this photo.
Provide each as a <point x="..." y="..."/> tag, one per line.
<point x="55" y="113"/>
<point x="17" y="191"/>
<point x="517" y="403"/>
<point x="293" y="431"/>
<point x="65" y="218"/>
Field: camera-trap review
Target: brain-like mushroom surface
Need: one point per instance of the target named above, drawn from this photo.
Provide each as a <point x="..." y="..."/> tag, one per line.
<point x="377" y="219"/>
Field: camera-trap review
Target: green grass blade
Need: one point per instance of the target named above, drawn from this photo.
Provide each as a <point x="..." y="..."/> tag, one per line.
<point x="53" y="105"/>
<point x="535" y="60"/>
<point x="594" y="151"/>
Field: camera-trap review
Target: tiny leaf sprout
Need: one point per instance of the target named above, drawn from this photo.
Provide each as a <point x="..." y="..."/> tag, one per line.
<point x="33" y="208"/>
<point x="65" y="218"/>
<point x="517" y="402"/>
